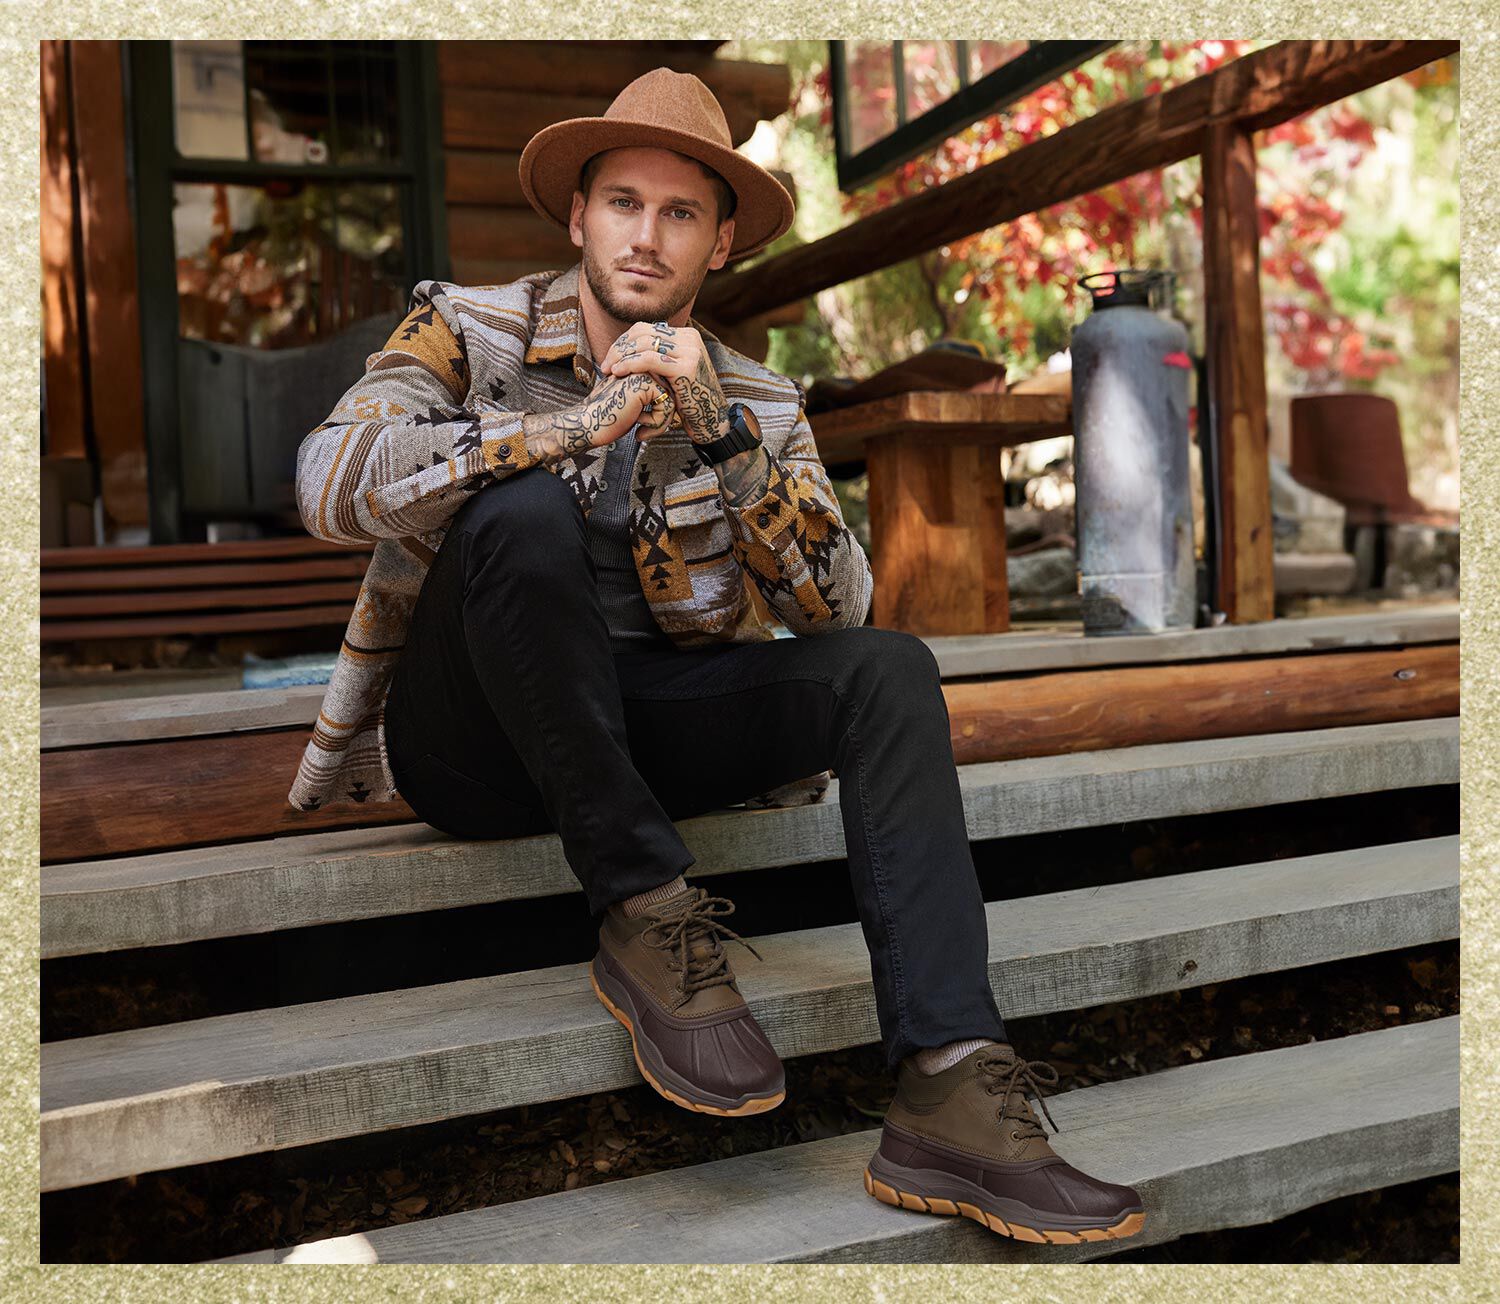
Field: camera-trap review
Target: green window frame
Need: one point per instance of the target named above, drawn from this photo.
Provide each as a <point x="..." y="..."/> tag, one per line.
<point x="157" y="167"/>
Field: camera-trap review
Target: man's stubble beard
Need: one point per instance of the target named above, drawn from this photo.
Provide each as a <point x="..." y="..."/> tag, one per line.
<point x="598" y="277"/>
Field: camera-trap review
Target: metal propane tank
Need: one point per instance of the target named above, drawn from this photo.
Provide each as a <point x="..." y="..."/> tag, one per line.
<point x="1130" y="452"/>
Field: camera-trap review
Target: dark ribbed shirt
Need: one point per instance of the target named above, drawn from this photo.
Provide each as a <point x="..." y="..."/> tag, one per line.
<point x="631" y="625"/>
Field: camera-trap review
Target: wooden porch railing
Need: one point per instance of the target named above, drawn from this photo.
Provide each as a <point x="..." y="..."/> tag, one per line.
<point x="1215" y="116"/>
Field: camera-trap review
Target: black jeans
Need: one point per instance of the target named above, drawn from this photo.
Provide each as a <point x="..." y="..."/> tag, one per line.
<point x="509" y="715"/>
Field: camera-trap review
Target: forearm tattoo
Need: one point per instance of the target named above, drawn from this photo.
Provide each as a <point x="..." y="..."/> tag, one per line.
<point x="556" y="436"/>
<point x="745" y="476"/>
<point x="704" y="410"/>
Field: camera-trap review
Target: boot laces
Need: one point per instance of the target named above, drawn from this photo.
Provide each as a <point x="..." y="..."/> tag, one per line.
<point x="1018" y="1078"/>
<point x="697" y="922"/>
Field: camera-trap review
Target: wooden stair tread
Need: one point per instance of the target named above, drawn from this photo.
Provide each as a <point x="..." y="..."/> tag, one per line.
<point x="187" y="714"/>
<point x="1226" y="1143"/>
<point x="314" y="878"/>
<point x="155" y="1098"/>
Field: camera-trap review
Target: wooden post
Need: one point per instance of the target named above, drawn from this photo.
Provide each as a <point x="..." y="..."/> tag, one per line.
<point x="106" y="240"/>
<point x="60" y="270"/>
<point x="1236" y="350"/>
<point x="937" y="523"/>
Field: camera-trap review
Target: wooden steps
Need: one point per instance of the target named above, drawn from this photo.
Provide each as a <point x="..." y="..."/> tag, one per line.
<point x="157" y="1098"/>
<point x="184" y="715"/>
<point x="1220" y="1144"/>
<point x="124" y="799"/>
<point x="1213" y="1145"/>
<point x="316" y="878"/>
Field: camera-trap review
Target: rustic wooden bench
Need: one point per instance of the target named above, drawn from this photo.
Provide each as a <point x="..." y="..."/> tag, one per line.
<point x="198" y="588"/>
<point x="937" y="498"/>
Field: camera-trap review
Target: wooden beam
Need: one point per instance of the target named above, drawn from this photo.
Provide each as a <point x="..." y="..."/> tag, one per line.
<point x="125" y="580"/>
<point x="508" y="233"/>
<point x="140" y="602"/>
<point x="502" y="271"/>
<point x="486" y="118"/>
<point x="483" y="176"/>
<point x="58" y="559"/>
<point x="121" y="799"/>
<point x="239" y="622"/>
<point x="185" y="626"/>
<point x="1305" y="1120"/>
<point x="112" y="801"/>
<point x="172" y="711"/>
<point x="152" y="1098"/>
<point x="1256" y="91"/>
<point x="492" y="119"/>
<point x="605" y="70"/>
<point x="1081" y="711"/>
<point x="1236" y="398"/>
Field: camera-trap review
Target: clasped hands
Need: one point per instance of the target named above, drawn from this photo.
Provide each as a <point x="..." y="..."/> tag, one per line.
<point x="675" y="355"/>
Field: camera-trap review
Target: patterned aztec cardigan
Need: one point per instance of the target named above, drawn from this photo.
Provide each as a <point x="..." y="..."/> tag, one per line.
<point x="437" y="417"/>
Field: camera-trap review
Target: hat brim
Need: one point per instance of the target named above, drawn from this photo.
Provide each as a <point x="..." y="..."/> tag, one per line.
<point x="553" y="160"/>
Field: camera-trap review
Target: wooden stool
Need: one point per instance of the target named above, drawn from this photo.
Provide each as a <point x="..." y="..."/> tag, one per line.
<point x="937" y="499"/>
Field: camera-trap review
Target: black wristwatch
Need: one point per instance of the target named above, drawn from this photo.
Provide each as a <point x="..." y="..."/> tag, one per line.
<point x="741" y="437"/>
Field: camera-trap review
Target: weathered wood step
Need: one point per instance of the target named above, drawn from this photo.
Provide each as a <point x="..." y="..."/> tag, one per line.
<point x="184" y="715"/>
<point x="292" y="882"/>
<point x="125" y="799"/>
<point x="157" y="1098"/>
<point x="1224" y="1144"/>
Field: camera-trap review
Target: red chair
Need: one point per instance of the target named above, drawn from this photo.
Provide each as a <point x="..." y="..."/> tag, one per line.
<point x="1348" y="446"/>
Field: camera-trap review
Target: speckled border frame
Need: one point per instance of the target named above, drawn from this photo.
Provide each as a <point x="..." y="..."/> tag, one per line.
<point x="27" y="23"/>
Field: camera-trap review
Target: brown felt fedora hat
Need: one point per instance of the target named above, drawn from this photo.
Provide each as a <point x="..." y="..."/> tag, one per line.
<point x="665" y="110"/>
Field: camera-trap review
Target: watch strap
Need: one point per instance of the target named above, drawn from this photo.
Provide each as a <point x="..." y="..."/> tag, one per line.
<point x="740" y="439"/>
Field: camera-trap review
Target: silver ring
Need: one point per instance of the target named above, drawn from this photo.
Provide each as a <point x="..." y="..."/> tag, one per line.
<point x="661" y="325"/>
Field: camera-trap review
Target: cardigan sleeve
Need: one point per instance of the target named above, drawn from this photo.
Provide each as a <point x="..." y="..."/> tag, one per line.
<point x="793" y="542"/>
<point x="402" y="451"/>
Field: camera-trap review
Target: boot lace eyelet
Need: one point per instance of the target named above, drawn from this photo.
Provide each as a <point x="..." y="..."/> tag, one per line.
<point x="1014" y="1135"/>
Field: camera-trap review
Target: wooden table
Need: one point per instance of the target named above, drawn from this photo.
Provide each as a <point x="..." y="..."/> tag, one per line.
<point x="937" y="499"/>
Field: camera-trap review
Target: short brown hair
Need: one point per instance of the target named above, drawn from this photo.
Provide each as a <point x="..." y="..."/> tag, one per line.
<point x="725" y="200"/>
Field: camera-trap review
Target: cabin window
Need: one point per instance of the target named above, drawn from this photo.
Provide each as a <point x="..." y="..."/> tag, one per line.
<point x="289" y="194"/>
<point x="894" y="99"/>
<point x="290" y="246"/>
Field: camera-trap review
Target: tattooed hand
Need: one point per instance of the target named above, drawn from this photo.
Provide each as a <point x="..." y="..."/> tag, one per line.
<point x="678" y="356"/>
<point x="611" y="409"/>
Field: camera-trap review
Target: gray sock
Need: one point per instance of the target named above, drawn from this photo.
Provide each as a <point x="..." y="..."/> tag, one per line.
<point x="934" y="1059"/>
<point x="639" y="904"/>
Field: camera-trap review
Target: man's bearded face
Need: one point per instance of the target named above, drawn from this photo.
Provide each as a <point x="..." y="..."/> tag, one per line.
<point x="648" y="211"/>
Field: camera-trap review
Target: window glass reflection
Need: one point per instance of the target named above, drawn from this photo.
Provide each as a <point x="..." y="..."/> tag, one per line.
<point x="285" y="262"/>
<point x="872" y="93"/>
<point x="208" y="96"/>
<point x="931" y="74"/>
<point x="986" y="56"/>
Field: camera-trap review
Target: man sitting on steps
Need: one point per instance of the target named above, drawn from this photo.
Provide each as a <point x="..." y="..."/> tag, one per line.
<point x="570" y="484"/>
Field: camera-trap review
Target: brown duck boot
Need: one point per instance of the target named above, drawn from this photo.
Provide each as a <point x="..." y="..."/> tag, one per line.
<point x="665" y="976"/>
<point x="964" y="1141"/>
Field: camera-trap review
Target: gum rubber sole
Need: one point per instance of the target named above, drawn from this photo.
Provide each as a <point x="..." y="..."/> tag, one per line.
<point x="1127" y="1226"/>
<point x="749" y="1107"/>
